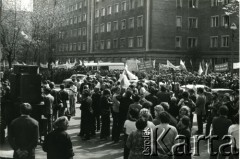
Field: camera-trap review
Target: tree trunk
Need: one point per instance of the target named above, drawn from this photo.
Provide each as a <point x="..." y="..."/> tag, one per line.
<point x="9" y="59"/>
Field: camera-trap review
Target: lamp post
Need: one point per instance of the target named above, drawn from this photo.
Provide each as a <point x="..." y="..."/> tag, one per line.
<point x="233" y="27"/>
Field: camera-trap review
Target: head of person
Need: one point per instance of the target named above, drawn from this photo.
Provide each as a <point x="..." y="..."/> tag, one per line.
<point x="184" y="110"/>
<point x="85" y="87"/>
<point x="141" y="124"/>
<point x="51" y="85"/>
<point x="106" y="92"/>
<point x="61" y="123"/>
<point x="47" y="90"/>
<point x="200" y="90"/>
<point x="128" y="94"/>
<point x="147" y="105"/>
<point x="191" y="91"/>
<point x="134" y="114"/>
<point x="25" y="109"/>
<point x="78" y="80"/>
<point x="163" y="88"/>
<point x="96" y="89"/>
<point x="86" y="93"/>
<point x="184" y="122"/>
<point x="136" y="98"/>
<point x="164" y="117"/>
<point x="226" y="97"/>
<point x="157" y="110"/>
<point x="71" y="83"/>
<point x="145" y="114"/>
<point x="165" y="105"/>
<point x="223" y="110"/>
<point x="214" y="95"/>
<point x="73" y="79"/>
<point x="185" y="95"/>
<point x="62" y="86"/>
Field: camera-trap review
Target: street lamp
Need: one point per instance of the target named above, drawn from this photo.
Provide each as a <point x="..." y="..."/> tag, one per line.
<point x="233" y="27"/>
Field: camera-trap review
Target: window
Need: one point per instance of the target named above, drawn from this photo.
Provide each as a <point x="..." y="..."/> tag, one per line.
<point x="115" y="25"/>
<point x="178" y="42"/>
<point x="75" y="32"/>
<point x="213" y="41"/>
<point x="102" y="45"/>
<point x="139" y="41"/>
<point x="75" y="19"/>
<point x="84" y="17"/>
<point x="116" y="8"/>
<point x="192" y="22"/>
<point x="179" y="3"/>
<point x="79" y="18"/>
<point x="225" y="20"/>
<point x="214" y="21"/>
<point x="193" y="3"/>
<point x="214" y="3"/>
<point x="71" y="21"/>
<point x="124" y="6"/>
<point x="179" y="21"/>
<point x="70" y="47"/>
<point x="103" y="12"/>
<point x="130" y="42"/>
<point x="79" y="31"/>
<point x="84" y="31"/>
<point x="192" y="42"/>
<point x="96" y="29"/>
<point x="76" y="6"/>
<point x="131" y="4"/>
<point x="67" y="22"/>
<point x="85" y="3"/>
<point x="74" y="46"/>
<point x="115" y="43"/>
<point x="226" y="2"/>
<point x="66" y="47"/>
<point x="80" y="5"/>
<point x="79" y="46"/>
<point x="102" y="28"/>
<point x="83" y="46"/>
<point x="59" y="34"/>
<point x="109" y="27"/>
<point x="140" y="21"/>
<point x="131" y="23"/>
<point x="96" y="45"/>
<point x="108" y="44"/>
<point x="123" y="26"/>
<point x="225" y="41"/>
<point x="122" y="43"/>
<point x="140" y="3"/>
<point x="109" y="10"/>
<point x="96" y="13"/>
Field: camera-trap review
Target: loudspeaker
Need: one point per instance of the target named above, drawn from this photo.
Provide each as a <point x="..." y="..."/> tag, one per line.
<point x="26" y="69"/>
<point x="14" y="80"/>
<point x="30" y="88"/>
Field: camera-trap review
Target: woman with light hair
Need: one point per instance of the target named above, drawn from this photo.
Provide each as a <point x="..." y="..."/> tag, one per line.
<point x="157" y="110"/>
<point x="146" y="115"/>
<point x="58" y="144"/>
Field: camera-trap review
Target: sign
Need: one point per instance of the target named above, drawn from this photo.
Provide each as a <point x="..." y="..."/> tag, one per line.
<point x="141" y="67"/>
<point x="148" y="64"/>
<point x="132" y="65"/>
<point x="236" y="65"/>
<point x="221" y="67"/>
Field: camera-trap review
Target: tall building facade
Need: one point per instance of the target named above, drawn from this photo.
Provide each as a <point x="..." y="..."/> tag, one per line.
<point x="115" y="30"/>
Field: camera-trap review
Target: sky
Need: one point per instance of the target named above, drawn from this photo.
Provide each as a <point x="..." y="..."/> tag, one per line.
<point x="26" y="5"/>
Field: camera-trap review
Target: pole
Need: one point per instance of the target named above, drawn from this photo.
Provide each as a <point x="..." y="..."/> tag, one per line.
<point x="232" y="52"/>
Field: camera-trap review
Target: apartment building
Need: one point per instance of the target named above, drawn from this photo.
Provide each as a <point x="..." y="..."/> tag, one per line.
<point x="115" y="30"/>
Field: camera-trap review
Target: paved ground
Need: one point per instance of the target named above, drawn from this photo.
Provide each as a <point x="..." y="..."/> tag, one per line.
<point x="94" y="148"/>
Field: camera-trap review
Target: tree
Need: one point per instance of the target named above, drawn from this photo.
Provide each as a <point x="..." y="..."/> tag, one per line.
<point x="232" y="7"/>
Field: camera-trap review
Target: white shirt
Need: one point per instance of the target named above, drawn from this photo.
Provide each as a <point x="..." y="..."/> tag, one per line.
<point x="130" y="126"/>
<point x="72" y="90"/>
<point x="234" y="131"/>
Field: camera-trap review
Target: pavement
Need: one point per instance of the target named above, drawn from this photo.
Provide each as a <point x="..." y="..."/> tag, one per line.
<point x="94" y="148"/>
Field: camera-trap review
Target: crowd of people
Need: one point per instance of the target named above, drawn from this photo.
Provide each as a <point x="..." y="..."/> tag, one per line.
<point x="158" y="103"/>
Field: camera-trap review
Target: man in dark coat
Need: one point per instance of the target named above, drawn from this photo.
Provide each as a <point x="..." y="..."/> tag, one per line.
<point x="163" y="95"/>
<point x="23" y="134"/>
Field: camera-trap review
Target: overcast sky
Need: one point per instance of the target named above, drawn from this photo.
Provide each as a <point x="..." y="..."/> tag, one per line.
<point x="26" y="5"/>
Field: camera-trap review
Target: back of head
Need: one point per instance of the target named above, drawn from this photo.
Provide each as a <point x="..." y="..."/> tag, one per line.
<point x="141" y="124"/>
<point x="47" y="90"/>
<point x="165" y="105"/>
<point x="185" y="95"/>
<point x="136" y="98"/>
<point x="62" y="86"/>
<point x="163" y="89"/>
<point x="134" y="113"/>
<point x="106" y="92"/>
<point x="61" y="123"/>
<point x="223" y="110"/>
<point x="51" y="85"/>
<point x="164" y="117"/>
<point x="200" y="90"/>
<point x="25" y="108"/>
<point x="185" y="120"/>
<point x="128" y="94"/>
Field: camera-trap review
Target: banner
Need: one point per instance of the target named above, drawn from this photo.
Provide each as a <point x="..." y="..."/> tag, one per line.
<point x="236" y="65"/>
<point x="221" y="67"/>
<point x="132" y="65"/>
<point x="147" y="65"/>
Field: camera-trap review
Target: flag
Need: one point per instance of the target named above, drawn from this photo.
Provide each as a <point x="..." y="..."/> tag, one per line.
<point x="200" y="70"/>
<point x="206" y="70"/>
<point x="98" y="85"/>
<point x="170" y="65"/>
<point x="129" y="74"/>
<point x="80" y="62"/>
<point x="154" y="62"/>
<point x="125" y="82"/>
<point x="56" y="63"/>
<point x="182" y="65"/>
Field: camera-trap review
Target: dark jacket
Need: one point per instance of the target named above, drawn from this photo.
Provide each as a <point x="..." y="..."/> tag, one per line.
<point x="23" y="134"/>
<point x="58" y="145"/>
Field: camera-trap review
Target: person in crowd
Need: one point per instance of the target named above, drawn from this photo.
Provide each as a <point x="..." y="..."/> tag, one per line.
<point x="78" y="85"/>
<point x="135" y="141"/>
<point x="208" y="94"/>
<point x="63" y="97"/>
<point x="72" y="94"/>
<point x="233" y="130"/>
<point x="163" y="95"/>
<point x="56" y="102"/>
<point x="146" y="115"/>
<point x="169" y="137"/>
<point x="105" y="104"/>
<point x="115" y="114"/>
<point x="192" y="95"/>
<point x="153" y="99"/>
<point x="48" y="100"/>
<point x="23" y="134"/>
<point x="183" y="128"/>
<point x="157" y="110"/>
<point x="87" y="120"/>
<point x="58" y="143"/>
<point x="220" y="127"/>
<point x="173" y="108"/>
<point x="184" y="111"/>
<point x="200" y="109"/>
<point x="129" y="127"/>
<point x="96" y="96"/>
<point x="136" y="105"/>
